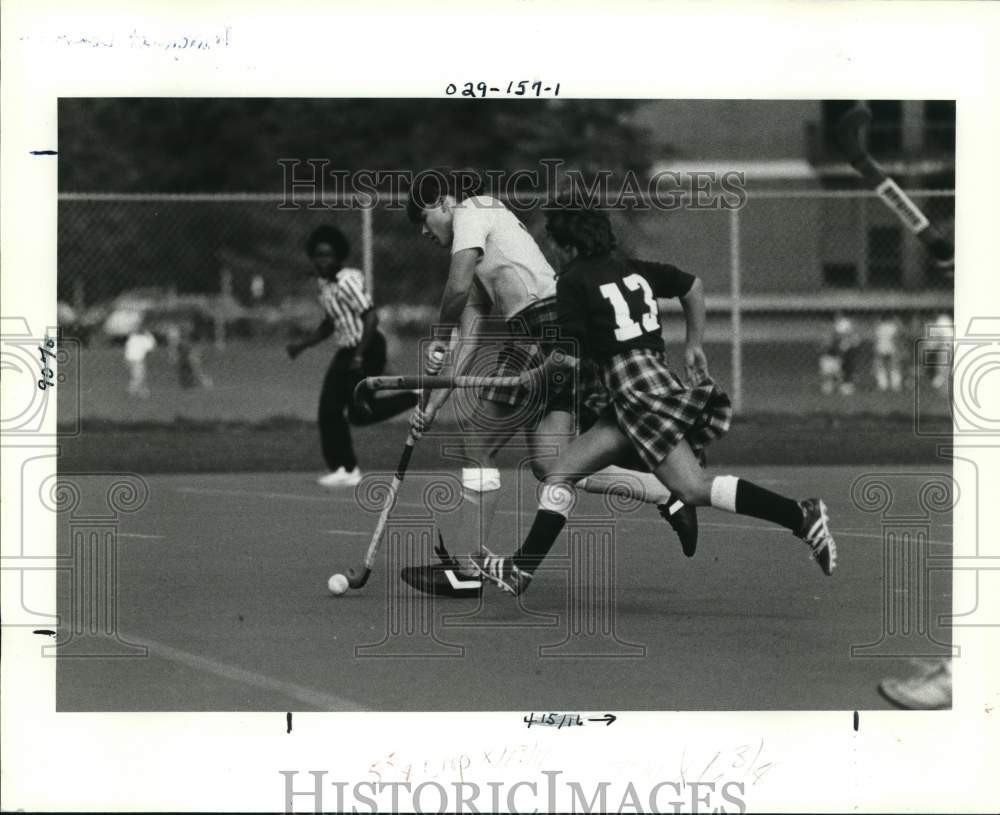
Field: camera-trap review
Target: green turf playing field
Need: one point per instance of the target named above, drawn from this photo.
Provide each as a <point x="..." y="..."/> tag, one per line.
<point x="256" y="381"/>
<point x="223" y="579"/>
<point x="222" y="573"/>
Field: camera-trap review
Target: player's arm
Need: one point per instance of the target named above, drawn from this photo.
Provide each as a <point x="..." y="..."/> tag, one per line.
<point x="669" y="281"/>
<point x="693" y="303"/>
<point x="463" y="347"/>
<point x="463" y="344"/>
<point x="456" y="292"/>
<point x="318" y="334"/>
<point x="470" y="231"/>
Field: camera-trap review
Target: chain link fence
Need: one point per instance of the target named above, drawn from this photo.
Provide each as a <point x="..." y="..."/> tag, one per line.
<point x="231" y="272"/>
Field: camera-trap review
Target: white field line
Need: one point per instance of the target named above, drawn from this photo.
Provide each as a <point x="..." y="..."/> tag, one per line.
<point x="314" y="698"/>
<point x="415" y="505"/>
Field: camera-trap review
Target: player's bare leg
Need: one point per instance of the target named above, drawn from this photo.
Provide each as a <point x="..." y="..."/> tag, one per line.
<point x="481" y="477"/>
<point x="646" y="487"/>
<point x="601" y="445"/>
<point x="554" y="433"/>
<point x="469" y="527"/>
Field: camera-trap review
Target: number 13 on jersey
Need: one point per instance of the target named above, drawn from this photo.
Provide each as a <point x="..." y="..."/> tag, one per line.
<point x="627" y="328"/>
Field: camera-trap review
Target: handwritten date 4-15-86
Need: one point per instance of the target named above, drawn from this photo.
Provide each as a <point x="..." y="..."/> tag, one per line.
<point x="516" y="87"/>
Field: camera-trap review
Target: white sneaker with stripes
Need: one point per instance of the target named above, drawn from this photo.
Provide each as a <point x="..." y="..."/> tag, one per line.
<point x="501" y="571"/>
<point x="815" y="531"/>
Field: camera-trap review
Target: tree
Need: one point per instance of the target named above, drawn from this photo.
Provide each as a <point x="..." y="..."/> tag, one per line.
<point x="227" y="145"/>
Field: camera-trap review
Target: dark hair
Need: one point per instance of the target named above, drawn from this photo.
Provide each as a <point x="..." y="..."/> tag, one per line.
<point x="587" y="230"/>
<point x="430" y="186"/>
<point x="331" y="235"/>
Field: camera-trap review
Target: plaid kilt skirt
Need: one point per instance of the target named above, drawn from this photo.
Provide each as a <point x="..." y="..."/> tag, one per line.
<point x="534" y="334"/>
<point x="655" y="410"/>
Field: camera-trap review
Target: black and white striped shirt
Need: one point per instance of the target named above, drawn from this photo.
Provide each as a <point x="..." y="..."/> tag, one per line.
<point x="345" y="301"/>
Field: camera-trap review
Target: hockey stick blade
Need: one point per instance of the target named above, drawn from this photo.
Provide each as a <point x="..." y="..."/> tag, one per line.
<point x="849" y="131"/>
<point x="357" y="581"/>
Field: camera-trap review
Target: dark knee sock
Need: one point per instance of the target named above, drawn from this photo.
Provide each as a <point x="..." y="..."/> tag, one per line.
<point x="541" y="537"/>
<point x="755" y="501"/>
<point x="769" y="506"/>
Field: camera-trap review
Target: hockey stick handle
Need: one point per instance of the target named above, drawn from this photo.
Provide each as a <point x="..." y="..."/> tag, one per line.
<point x="355" y="580"/>
<point x="849" y="131"/>
<point x="381" y="383"/>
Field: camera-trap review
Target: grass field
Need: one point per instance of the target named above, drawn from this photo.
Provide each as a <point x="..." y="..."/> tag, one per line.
<point x="260" y="415"/>
<point x="222" y="577"/>
<point x="255" y="382"/>
<point x="222" y="574"/>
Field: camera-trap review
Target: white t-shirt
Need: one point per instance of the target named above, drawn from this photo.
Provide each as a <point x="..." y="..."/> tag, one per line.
<point x="944" y="327"/>
<point x="512" y="271"/>
<point x="886" y="336"/>
<point x="843" y="329"/>
<point x="138" y="345"/>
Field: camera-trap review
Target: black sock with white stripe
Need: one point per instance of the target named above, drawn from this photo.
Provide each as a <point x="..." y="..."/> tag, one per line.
<point x="746" y="498"/>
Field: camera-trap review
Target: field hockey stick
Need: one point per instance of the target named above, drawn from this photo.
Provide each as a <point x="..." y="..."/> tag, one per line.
<point x="380" y="383"/>
<point x="397" y="383"/>
<point x="850" y="134"/>
<point x="355" y="579"/>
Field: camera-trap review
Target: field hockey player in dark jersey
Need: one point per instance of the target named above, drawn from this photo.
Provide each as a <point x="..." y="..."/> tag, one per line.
<point x="607" y="303"/>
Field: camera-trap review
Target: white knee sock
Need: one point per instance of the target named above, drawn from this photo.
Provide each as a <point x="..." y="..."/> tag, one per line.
<point x="480" y="495"/>
<point x="724" y="492"/>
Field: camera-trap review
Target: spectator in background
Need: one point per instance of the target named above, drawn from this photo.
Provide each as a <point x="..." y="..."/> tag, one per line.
<point x="939" y="348"/>
<point x="831" y="367"/>
<point x="172" y="331"/>
<point x="189" y="368"/>
<point x="888" y="356"/>
<point x="257" y="289"/>
<point x="350" y="317"/>
<point x="139" y="343"/>
<point x="847" y="342"/>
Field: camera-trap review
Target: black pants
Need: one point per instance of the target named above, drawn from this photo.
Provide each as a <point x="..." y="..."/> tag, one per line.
<point x="336" y="406"/>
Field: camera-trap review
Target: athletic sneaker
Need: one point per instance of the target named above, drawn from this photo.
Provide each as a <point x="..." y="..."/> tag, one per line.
<point x="684" y="519"/>
<point x="502" y="572"/>
<point x="441" y="580"/>
<point x="340" y="478"/>
<point x="927" y="691"/>
<point x="448" y="559"/>
<point x="815" y="531"/>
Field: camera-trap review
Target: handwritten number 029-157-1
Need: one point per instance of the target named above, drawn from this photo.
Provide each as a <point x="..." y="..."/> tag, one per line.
<point x="627" y="328"/>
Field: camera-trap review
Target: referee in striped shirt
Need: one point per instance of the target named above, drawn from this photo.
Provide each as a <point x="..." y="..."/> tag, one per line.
<point x="350" y="318"/>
